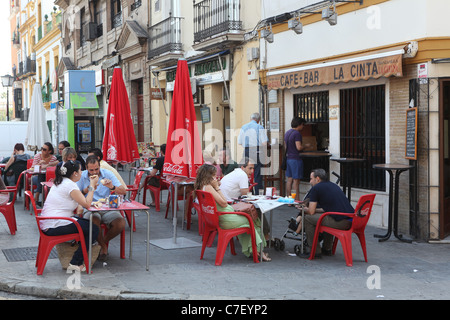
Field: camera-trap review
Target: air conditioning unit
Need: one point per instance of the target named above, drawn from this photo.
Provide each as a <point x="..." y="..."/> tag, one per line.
<point x="90" y="31"/>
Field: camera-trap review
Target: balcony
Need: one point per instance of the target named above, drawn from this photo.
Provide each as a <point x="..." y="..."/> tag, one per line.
<point x="27" y="68"/>
<point x="217" y="24"/>
<point x="165" y="42"/>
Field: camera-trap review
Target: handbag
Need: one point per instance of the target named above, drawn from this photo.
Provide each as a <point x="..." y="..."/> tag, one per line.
<point x="247" y="208"/>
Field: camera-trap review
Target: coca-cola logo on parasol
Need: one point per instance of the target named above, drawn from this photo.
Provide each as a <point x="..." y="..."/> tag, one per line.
<point x="173" y="168"/>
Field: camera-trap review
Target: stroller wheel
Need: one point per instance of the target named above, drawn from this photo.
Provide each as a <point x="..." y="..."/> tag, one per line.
<point x="277" y="244"/>
<point x="282" y="246"/>
<point x="297" y="249"/>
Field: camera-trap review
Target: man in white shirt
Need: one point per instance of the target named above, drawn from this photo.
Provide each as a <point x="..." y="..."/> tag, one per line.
<point x="235" y="184"/>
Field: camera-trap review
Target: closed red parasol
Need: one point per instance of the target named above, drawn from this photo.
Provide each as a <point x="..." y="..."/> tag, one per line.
<point x="183" y="149"/>
<point x="119" y="141"/>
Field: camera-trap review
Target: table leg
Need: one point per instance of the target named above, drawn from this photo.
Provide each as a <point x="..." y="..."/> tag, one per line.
<point x="131" y="233"/>
<point x="90" y="243"/>
<point x="148" y="239"/>
<point x="397" y="182"/>
<point x="303" y="230"/>
<point x="388" y="234"/>
<point x="262" y="235"/>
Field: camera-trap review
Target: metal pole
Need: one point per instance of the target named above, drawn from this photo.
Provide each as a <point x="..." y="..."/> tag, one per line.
<point x="7" y="103"/>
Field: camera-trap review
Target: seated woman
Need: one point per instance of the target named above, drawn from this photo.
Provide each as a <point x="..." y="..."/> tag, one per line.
<point x="16" y="164"/>
<point x="207" y="181"/>
<point x="44" y="159"/>
<point x="70" y="154"/>
<point x="62" y="200"/>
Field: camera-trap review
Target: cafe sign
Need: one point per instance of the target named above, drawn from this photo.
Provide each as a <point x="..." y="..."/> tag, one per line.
<point x="362" y="69"/>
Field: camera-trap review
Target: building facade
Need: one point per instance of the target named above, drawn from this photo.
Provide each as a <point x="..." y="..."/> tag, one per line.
<point x="354" y="70"/>
<point x="146" y="38"/>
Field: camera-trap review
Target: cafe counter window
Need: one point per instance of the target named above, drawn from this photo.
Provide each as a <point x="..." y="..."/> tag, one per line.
<point x="313" y="107"/>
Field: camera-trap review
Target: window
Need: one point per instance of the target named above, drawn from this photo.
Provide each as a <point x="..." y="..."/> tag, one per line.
<point x="362" y="126"/>
<point x="313" y="107"/>
<point x="157" y="5"/>
<point x="82" y="24"/>
<point x="116" y="13"/>
<point x="98" y="16"/>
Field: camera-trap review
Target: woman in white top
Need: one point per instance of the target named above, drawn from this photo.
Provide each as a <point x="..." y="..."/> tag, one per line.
<point x="63" y="198"/>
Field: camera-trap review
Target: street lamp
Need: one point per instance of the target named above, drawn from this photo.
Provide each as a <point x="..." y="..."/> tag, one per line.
<point x="7" y="81"/>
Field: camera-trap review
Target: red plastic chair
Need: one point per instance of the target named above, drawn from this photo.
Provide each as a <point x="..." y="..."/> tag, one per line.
<point x="211" y="217"/>
<point x="27" y="183"/>
<point x="29" y="163"/>
<point x="359" y="221"/>
<point x="105" y="229"/>
<point x="156" y="191"/>
<point x="46" y="243"/>
<point x="133" y="189"/>
<point x="50" y="175"/>
<point x="8" y="209"/>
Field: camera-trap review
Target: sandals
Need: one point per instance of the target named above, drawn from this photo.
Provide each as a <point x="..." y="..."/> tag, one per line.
<point x="265" y="257"/>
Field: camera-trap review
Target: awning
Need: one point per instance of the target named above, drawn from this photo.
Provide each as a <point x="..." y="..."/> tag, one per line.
<point x="383" y="63"/>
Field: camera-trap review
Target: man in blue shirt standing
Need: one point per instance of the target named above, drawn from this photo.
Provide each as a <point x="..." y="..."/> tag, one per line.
<point x="253" y="138"/>
<point x="108" y="183"/>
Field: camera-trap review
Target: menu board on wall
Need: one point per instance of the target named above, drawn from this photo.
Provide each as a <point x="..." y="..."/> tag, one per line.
<point x="411" y="134"/>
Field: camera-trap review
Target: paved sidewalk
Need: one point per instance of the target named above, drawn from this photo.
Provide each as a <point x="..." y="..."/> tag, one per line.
<point x="402" y="271"/>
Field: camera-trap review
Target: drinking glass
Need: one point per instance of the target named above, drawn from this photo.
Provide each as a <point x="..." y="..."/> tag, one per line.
<point x="293" y="193"/>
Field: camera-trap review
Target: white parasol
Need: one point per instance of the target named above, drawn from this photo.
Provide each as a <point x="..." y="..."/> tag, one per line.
<point x="37" y="131"/>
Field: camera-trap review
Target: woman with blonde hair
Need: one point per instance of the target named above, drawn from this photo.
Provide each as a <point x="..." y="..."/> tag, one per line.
<point x="206" y="181"/>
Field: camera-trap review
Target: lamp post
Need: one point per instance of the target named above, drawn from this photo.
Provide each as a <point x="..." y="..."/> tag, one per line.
<point x="7" y="81"/>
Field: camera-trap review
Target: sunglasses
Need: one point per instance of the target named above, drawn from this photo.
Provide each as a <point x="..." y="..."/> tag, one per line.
<point x="44" y="149"/>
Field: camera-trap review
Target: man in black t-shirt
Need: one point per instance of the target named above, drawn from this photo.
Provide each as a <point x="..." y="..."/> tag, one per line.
<point x="325" y="196"/>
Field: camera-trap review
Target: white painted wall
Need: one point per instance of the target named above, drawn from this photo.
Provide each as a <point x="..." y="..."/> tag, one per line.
<point x="388" y="23"/>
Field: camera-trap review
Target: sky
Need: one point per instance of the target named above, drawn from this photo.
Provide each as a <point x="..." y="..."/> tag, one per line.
<point x="5" y="39"/>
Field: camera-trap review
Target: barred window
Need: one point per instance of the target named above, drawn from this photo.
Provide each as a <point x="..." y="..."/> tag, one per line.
<point x="313" y="106"/>
<point x="362" y="126"/>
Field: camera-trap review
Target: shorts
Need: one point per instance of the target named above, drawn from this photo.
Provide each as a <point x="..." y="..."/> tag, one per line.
<point x="294" y="169"/>
<point x="106" y="217"/>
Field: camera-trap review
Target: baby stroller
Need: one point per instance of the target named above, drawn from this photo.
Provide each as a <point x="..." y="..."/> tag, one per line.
<point x="291" y="233"/>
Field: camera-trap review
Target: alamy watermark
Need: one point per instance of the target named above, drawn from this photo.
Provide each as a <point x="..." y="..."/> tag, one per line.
<point x="374" y="280"/>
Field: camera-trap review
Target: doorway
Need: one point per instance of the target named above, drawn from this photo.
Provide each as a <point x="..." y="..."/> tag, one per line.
<point x="444" y="161"/>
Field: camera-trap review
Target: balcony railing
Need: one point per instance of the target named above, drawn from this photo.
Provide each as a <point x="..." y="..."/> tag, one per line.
<point x="165" y="37"/>
<point x="27" y="67"/>
<point x="212" y="17"/>
<point x="136" y="4"/>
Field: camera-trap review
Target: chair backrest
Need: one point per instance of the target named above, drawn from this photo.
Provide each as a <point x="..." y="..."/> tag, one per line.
<point x="137" y="179"/>
<point x="363" y="210"/>
<point x="29" y="163"/>
<point x="50" y="173"/>
<point x="36" y="211"/>
<point x="208" y="208"/>
<point x="17" y="187"/>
